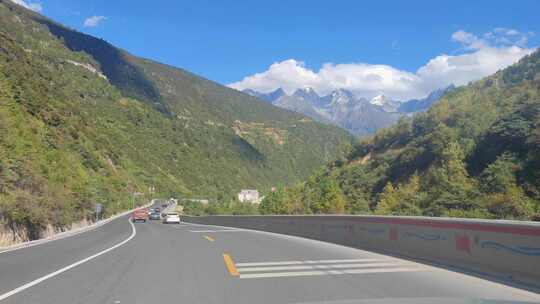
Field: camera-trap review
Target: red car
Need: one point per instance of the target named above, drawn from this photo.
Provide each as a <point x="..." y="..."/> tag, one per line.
<point x="139" y="215"/>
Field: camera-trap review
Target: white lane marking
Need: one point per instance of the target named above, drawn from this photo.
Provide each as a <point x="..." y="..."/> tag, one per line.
<point x="59" y="271"/>
<point x="314" y="267"/>
<point x="193" y="224"/>
<point x="201" y="231"/>
<point x="311" y="262"/>
<point x="329" y="272"/>
<point x="66" y="234"/>
<point x="217" y="227"/>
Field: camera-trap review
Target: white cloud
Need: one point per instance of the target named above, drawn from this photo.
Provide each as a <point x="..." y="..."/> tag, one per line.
<point x="35" y="6"/>
<point x="468" y="40"/>
<point x="444" y="70"/>
<point x="363" y="79"/>
<point x="480" y="57"/>
<point x="94" y="21"/>
<point x="499" y="37"/>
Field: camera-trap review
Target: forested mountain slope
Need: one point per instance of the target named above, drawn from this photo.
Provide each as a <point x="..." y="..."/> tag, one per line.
<point x="476" y="153"/>
<point x="82" y="122"/>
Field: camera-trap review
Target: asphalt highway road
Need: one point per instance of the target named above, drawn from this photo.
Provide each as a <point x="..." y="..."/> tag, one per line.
<point x="187" y="263"/>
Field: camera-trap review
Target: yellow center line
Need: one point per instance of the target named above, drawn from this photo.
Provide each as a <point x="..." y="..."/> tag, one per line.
<point x="209" y="238"/>
<point x="230" y="265"/>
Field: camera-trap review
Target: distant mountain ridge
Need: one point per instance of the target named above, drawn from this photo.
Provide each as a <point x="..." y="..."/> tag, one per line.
<point x="474" y="154"/>
<point x="84" y="122"/>
<point x="342" y="108"/>
<point x="418" y="105"/>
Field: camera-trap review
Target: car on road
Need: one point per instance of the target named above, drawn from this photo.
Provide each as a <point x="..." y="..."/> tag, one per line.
<point x="171" y="218"/>
<point x="139" y="215"/>
<point x="154" y="216"/>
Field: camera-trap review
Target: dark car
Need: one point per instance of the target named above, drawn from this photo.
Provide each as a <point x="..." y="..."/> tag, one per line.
<point x="154" y="216"/>
<point x="157" y="210"/>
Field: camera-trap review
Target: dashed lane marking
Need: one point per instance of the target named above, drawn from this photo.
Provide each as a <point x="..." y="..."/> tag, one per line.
<point x="209" y="238"/>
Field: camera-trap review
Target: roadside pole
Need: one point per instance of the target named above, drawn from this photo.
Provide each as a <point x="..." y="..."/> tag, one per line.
<point x="99" y="209"/>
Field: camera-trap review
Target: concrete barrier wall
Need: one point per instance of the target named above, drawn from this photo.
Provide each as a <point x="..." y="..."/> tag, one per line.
<point x="506" y="251"/>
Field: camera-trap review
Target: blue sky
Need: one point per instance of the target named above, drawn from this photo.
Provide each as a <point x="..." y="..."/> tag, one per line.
<point x="227" y="41"/>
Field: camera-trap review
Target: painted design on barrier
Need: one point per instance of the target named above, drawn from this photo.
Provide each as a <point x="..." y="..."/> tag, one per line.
<point x="375" y="231"/>
<point x="463" y="243"/>
<point x="425" y="236"/>
<point x="531" y="251"/>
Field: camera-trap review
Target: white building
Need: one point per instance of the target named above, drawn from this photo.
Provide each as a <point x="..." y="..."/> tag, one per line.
<point x="249" y="196"/>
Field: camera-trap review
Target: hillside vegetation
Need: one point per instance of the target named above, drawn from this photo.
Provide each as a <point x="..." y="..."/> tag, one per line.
<point x="474" y="154"/>
<point x="82" y="122"/>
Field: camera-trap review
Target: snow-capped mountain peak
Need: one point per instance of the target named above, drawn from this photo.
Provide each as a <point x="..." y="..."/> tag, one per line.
<point x="341" y="107"/>
<point x="340" y="97"/>
<point x="378" y="100"/>
<point x="389" y="105"/>
<point x="307" y="93"/>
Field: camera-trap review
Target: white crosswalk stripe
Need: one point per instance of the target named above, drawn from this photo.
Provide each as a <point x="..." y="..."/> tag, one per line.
<point x="330" y="272"/>
<point x="206" y="231"/>
<point x="315" y="267"/>
<point x="252" y="270"/>
<point x="310" y="262"/>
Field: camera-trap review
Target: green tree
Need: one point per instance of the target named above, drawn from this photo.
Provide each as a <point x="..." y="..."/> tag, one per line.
<point x="294" y="199"/>
<point x="388" y="201"/>
<point x="328" y="197"/>
<point x="403" y="200"/>
<point x="505" y="199"/>
<point x="274" y="203"/>
<point x="449" y="184"/>
<point x="500" y="175"/>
